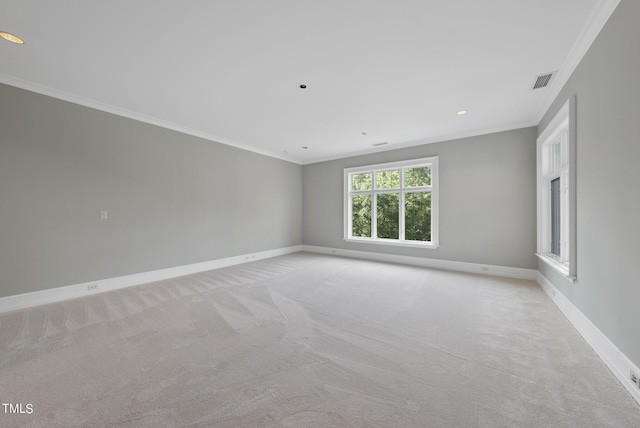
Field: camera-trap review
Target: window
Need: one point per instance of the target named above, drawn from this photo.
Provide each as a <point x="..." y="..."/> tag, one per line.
<point x="556" y="192"/>
<point x="393" y="203"/>
<point x="555" y="217"/>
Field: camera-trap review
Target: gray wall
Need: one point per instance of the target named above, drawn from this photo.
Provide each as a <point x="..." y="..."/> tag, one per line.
<point x="487" y="199"/>
<point x="608" y="175"/>
<point x="172" y="199"/>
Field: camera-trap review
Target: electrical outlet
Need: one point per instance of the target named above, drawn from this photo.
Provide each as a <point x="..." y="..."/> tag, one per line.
<point x="484" y="269"/>
<point x="92" y="287"/>
<point x="253" y="257"/>
<point x="634" y="378"/>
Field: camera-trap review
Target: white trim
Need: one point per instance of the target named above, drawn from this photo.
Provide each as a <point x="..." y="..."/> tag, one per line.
<point x="412" y="163"/>
<point x="562" y="129"/>
<point x="609" y="353"/>
<point x="617" y="362"/>
<point x="427" y="262"/>
<point x="97" y="105"/>
<point x="428" y="140"/>
<point x="594" y="25"/>
<point x="560" y="120"/>
<point x="557" y="266"/>
<point x="26" y="300"/>
<point x="393" y="242"/>
<point x="596" y="22"/>
<point x="66" y="96"/>
<point x="432" y="162"/>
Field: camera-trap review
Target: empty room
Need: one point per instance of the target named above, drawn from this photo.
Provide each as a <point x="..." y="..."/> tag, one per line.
<point x="408" y="213"/>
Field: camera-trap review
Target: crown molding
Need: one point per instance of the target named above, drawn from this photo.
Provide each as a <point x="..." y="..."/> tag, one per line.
<point x="587" y="36"/>
<point x="431" y="140"/>
<point x="97" y="105"/>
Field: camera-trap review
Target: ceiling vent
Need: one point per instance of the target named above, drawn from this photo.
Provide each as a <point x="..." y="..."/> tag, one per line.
<point x="543" y="80"/>
<point x="379" y="144"/>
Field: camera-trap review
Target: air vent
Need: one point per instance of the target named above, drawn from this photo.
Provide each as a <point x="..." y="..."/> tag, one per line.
<point x="543" y="80"/>
<point x="379" y="144"/>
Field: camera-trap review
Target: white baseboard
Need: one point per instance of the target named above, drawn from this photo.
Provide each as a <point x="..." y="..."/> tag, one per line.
<point x="613" y="358"/>
<point x="426" y="262"/>
<point x="617" y="362"/>
<point x="21" y="301"/>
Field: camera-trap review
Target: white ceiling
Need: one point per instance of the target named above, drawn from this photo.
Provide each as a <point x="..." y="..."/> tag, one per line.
<point x="230" y="70"/>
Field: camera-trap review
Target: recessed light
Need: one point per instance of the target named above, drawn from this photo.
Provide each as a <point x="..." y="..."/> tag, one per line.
<point x="10" y="37"/>
<point x="461" y="112"/>
<point x="303" y="86"/>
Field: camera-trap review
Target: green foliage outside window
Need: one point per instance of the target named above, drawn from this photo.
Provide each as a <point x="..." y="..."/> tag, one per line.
<point x="417" y="215"/>
<point x="417" y="176"/>
<point x="388" y="179"/>
<point x="417" y="204"/>
<point x="361" y="218"/>
<point x="361" y="181"/>
<point x="388" y="221"/>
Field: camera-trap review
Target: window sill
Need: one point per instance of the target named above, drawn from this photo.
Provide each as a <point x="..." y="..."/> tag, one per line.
<point x="393" y="242"/>
<point x="561" y="268"/>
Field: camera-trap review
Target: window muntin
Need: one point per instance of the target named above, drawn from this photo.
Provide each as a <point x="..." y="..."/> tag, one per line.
<point x="557" y="192"/>
<point x="555" y="168"/>
<point x="393" y="203"/>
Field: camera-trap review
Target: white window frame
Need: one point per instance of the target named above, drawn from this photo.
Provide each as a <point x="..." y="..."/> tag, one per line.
<point x="559" y="133"/>
<point x="402" y="190"/>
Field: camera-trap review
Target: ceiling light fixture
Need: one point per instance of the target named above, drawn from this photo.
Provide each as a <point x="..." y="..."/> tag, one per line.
<point x="303" y="86"/>
<point x="461" y="112"/>
<point x="304" y="147"/>
<point x="11" y="38"/>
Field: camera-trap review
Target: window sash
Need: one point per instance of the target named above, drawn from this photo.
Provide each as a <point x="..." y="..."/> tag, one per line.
<point x="556" y="160"/>
<point x="401" y="190"/>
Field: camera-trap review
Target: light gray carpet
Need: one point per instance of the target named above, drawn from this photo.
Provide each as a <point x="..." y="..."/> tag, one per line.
<point x="308" y="341"/>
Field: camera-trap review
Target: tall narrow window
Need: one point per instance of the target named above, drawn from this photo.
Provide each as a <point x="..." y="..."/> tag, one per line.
<point x="556" y="192"/>
<point x="393" y="203"/>
<point x="555" y="217"/>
